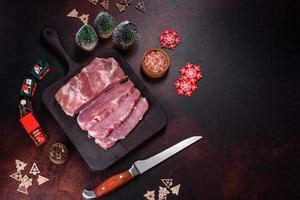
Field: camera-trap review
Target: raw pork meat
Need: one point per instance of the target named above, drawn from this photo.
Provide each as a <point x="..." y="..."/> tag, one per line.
<point x="98" y="76"/>
<point x="107" y="125"/>
<point x="103" y="105"/>
<point x="126" y="127"/>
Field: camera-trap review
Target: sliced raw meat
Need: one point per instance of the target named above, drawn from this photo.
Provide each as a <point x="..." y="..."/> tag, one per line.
<point x="95" y="78"/>
<point x="107" y="125"/>
<point x="126" y="127"/>
<point x="104" y="105"/>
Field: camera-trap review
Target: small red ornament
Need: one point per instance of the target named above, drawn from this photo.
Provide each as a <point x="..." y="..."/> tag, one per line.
<point x="189" y="76"/>
<point x="192" y="72"/>
<point x="185" y="86"/>
<point x="169" y="39"/>
<point x="33" y="129"/>
<point x="25" y="87"/>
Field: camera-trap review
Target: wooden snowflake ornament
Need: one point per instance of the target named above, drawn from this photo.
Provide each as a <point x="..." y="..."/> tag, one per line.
<point x="84" y="18"/>
<point x="150" y="195"/>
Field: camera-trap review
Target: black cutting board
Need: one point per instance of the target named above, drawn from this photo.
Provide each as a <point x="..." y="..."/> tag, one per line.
<point x="97" y="158"/>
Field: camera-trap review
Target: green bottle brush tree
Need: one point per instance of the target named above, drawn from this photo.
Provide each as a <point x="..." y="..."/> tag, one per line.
<point x="104" y="24"/>
<point x="87" y="38"/>
<point x="126" y="35"/>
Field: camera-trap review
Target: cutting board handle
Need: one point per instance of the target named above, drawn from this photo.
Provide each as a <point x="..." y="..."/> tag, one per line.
<point x="51" y="38"/>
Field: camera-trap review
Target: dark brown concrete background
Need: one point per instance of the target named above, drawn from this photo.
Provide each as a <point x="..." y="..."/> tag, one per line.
<point x="247" y="105"/>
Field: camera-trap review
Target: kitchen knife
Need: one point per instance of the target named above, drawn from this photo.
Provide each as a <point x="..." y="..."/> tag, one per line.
<point x="139" y="167"/>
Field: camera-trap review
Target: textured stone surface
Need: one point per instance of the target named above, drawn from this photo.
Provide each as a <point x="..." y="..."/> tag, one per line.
<point x="246" y="107"/>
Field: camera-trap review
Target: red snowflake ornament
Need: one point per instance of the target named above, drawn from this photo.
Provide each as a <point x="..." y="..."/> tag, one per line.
<point x="169" y="39"/>
<point x="192" y="72"/>
<point x="184" y="86"/>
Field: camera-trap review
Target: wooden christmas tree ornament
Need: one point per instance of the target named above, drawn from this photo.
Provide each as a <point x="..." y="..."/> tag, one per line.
<point x="141" y="6"/>
<point x="105" y="4"/>
<point x="93" y="1"/>
<point x="22" y="189"/>
<point x="24" y="179"/>
<point x="73" y="13"/>
<point x="20" y="165"/>
<point x="34" y="169"/>
<point x="120" y="7"/>
<point x="17" y="176"/>
<point x="163" y="198"/>
<point x="167" y="182"/>
<point x="126" y="2"/>
<point x="26" y="183"/>
<point x="175" y="189"/>
<point x="42" y="179"/>
<point x="163" y="192"/>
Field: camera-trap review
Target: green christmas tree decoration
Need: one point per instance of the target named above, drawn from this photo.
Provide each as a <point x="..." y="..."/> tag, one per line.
<point x="126" y="35"/>
<point x="86" y="38"/>
<point x="105" y="24"/>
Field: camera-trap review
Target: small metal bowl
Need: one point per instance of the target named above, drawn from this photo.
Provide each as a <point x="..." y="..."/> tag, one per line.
<point x="58" y="153"/>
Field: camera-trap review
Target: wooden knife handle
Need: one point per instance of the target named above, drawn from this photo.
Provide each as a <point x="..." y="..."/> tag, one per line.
<point x="112" y="183"/>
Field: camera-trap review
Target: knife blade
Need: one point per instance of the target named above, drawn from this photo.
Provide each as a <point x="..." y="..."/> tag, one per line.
<point x="139" y="167"/>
